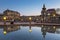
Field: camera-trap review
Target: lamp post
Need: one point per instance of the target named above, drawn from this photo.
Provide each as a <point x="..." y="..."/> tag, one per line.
<point x="4" y="30"/>
<point x="30" y="20"/>
<point x="30" y="30"/>
<point x="49" y="17"/>
<point x="4" y="18"/>
<point x="54" y="15"/>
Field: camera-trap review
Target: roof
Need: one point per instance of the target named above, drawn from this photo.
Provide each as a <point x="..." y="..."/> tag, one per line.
<point x="51" y="10"/>
<point x="10" y="11"/>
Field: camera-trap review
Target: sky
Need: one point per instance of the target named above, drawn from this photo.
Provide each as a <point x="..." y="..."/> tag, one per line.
<point x="28" y="7"/>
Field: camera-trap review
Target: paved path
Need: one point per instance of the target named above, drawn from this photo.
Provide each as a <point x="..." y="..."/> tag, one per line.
<point x="27" y="23"/>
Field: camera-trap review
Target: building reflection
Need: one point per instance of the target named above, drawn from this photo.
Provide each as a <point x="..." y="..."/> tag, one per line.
<point x="44" y="29"/>
<point x="48" y="29"/>
<point x="8" y="29"/>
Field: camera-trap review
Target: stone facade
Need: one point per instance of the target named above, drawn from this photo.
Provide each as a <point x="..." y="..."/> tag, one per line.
<point x="11" y="15"/>
<point x="49" y="15"/>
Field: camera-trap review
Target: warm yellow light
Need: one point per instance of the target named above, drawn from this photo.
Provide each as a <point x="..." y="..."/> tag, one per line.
<point x="54" y="27"/>
<point x="54" y="15"/>
<point x="30" y="30"/>
<point x="4" y="32"/>
<point x="30" y="18"/>
<point x="4" y="18"/>
<point x="48" y="14"/>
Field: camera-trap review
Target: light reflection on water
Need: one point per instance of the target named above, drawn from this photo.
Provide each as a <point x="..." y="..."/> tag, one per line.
<point x="29" y="33"/>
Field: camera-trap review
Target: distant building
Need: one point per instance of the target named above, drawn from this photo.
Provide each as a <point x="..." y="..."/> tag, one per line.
<point x="11" y="15"/>
<point x="43" y="14"/>
<point x="33" y="18"/>
<point x="1" y="16"/>
<point x="51" y="12"/>
<point x="49" y="15"/>
<point x="10" y="29"/>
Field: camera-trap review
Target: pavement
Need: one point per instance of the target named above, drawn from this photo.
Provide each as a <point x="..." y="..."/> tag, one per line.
<point x="27" y="23"/>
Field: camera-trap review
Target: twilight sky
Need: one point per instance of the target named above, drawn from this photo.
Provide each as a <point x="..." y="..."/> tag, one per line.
<point x="28" y="7"/>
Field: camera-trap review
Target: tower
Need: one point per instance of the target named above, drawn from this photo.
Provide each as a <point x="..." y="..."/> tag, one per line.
<point x="43" y="13"/>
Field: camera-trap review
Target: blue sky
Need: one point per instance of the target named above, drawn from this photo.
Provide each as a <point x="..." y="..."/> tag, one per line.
<point x="28" y="7"/>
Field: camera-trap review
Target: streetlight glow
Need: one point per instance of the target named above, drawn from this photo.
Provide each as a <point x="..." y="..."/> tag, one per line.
<point x="54" y="15"/>
<point x="4" y="18"/>
<point x="54" y="27"/>
<point x="5" y="32"/>
<point x="48" y="14"/>
<point x="30" y="18"/>
<point x="30" y="30"/>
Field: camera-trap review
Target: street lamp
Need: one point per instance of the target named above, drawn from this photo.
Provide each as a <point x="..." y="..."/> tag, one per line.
<point x="30" y="19"/>
<point x="4" y="18"/>
<point x="54" y="15"/>
<point x="54" y="27"/>
<point x="48" y="14"/>
<point x="5" y="32"/>
<point x="30" y="30"/>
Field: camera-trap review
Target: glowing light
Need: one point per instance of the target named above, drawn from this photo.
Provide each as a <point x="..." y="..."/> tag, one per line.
<point x="30" y="30"/>
<point x="54" y="15"/>
<point x="30" y="18"/>
<point x="4" y="18"/>
<point x="48" y="14"/>
<point x="54" y="27"/>
<point x="5" y="32"/>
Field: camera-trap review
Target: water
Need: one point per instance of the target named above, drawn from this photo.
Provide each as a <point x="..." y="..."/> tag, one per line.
<point x="29" y="33"/>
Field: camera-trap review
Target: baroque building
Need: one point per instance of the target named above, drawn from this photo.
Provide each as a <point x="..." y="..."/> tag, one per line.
<point x="11" y="15"/>
<point x="49" y="15"/>
<point x="43" y="13"/>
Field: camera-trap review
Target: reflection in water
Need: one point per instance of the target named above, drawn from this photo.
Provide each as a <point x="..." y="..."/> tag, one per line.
<point x="35" y="34"/>
<point x="49" y="29"/>
<point x="30" y="30"/>
<point x="8" y="29"/>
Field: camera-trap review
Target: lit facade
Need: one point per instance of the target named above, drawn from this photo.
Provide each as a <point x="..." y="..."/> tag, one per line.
<point x="11" y="15"/>
<point x="49" y="15"/>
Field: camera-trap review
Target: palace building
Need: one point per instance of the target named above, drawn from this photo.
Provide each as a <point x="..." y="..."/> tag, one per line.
<point x="11" y="15"/>
<point x="49" y="15"/>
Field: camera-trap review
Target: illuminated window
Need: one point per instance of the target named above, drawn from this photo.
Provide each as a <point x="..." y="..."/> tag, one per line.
<point x="54" y="15"/>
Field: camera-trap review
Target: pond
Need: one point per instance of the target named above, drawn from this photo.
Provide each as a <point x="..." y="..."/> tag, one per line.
<point x="29" y="32"/>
